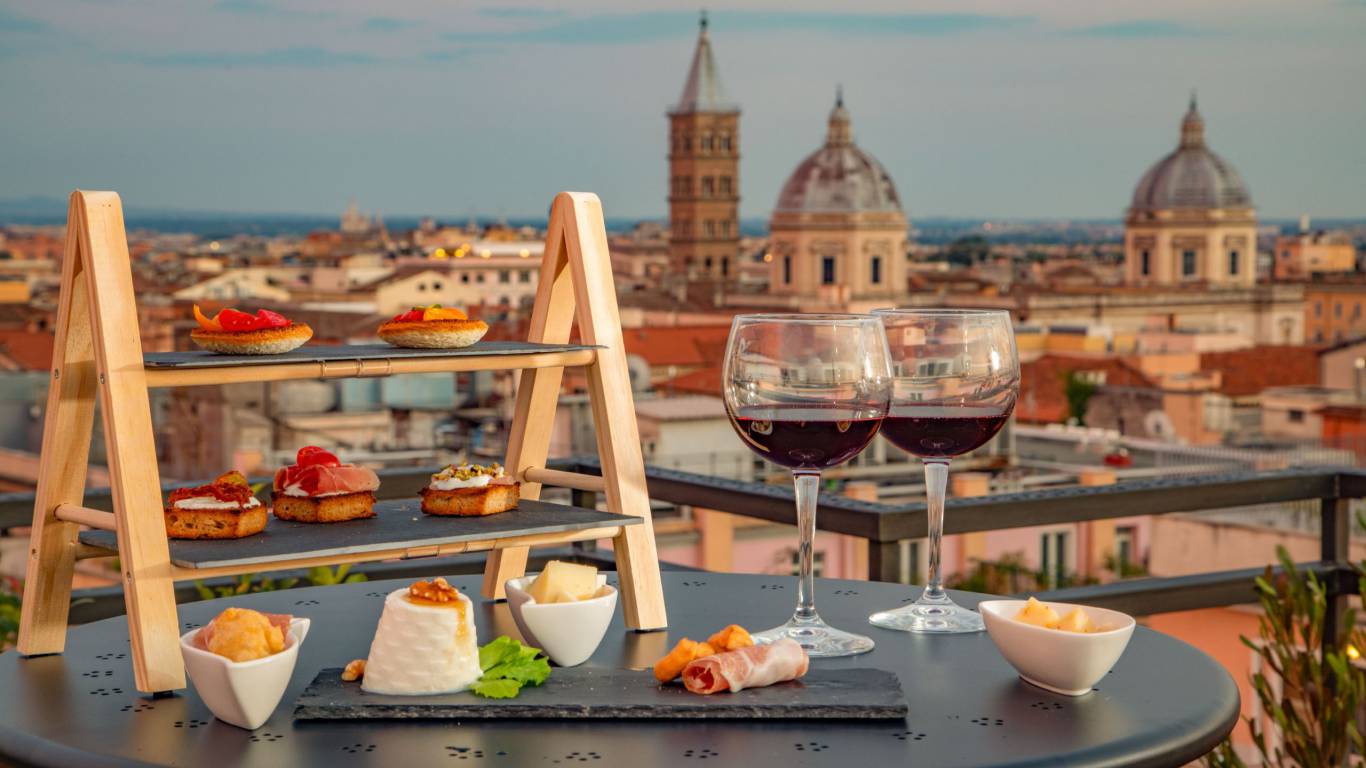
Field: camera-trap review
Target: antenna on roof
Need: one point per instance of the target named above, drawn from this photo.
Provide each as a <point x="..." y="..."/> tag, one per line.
<point x="702" y="22"/>
<point x="839" y="94"/>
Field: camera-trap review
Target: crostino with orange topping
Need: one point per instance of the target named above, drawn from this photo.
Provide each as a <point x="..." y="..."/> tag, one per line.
<point x="231" y="332"/>
<point x="433" y="327"/>
<point x="223" y="509"/>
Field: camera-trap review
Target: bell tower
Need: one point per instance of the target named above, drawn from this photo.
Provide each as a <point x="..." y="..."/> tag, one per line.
<point x="704" y="172"/>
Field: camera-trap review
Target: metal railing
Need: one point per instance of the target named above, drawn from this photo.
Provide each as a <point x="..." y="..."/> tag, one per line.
<point x="885" y="526"/>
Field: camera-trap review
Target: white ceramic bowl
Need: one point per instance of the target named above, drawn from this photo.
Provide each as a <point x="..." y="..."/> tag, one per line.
<point x="1063" y="662"/>
<point x="567" y="632"/>
<point x="244" y="693"/>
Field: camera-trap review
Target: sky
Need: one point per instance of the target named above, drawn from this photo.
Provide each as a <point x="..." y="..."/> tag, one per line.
<point x="1048" y="109"/>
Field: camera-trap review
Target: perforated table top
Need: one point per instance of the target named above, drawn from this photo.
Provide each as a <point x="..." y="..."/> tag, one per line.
<point x="1164" y="704"/>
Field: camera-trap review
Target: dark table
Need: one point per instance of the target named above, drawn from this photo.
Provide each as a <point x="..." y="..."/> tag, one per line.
<point x="1164" y="704"/>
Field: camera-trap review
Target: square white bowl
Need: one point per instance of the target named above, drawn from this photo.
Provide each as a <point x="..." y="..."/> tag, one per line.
<point x="243" y="693"/>
<point x="1069" y="663"/>
<point x="567" y="632"/>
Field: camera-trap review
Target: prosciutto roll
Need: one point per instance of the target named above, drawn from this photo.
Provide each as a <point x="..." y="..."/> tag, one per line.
<point x="752" y="667"/>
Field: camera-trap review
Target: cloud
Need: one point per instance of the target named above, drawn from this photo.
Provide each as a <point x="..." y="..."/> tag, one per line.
<point x="277" y="58"/>
<point x="1140" y="28"/>
<point x="263" y="8"/>
<point x="13" y="22"/>
<point x="387" y="24"/>
<point x="520" y="12"/>
<point x="606" y="29"/>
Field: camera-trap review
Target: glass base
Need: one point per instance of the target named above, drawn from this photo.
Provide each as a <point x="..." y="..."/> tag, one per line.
<point x="818" y="639"/>
<point x="942" y="616"/>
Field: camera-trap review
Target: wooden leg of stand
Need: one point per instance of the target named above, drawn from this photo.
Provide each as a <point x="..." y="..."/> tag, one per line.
<point x="614" y="416"/>
<point x="143" y="552"/>
<point x="66" y="451"/>
<point x="538" y="393"/>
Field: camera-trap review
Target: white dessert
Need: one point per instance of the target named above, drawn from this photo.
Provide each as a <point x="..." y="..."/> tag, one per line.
<point x="422" y="646"/>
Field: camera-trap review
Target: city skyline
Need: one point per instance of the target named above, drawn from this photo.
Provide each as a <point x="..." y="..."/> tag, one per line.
<point x="255" y="106"/>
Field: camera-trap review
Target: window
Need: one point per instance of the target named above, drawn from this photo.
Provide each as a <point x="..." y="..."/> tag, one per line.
<point x="787" y="270"/>
<point x="464" y="278"/>
<point x="504" y="276"/>
<point x="708" y="263"/>
<point x="524" y="276"/>
<point x="1126" y="537"/>
<point x="725" y="266"/>
<point x="827" y="270"/>
<point x="709" y="228"/>
<point x="875" y="271"/>
<point x="1318" y="336"/>
<point x="1145" y="262"/>
<point x="707" y="186"/>
<point x="725" y="227"/>
<point x="422" y="287"/>
<point x="724" y="142"/>
<point x="705" y="143"/>
<point x="1294" y="416"/>
<point x="1233" y="262"/>
<point x="436" y="285"/>
<point x="479" y="278"/>
<point x="1318" y="309"/>
<point x="1188" y="263"/>
<point x="1053" y="558"/>
<point x="687" y="143"/>
<point x="724" y="186"/>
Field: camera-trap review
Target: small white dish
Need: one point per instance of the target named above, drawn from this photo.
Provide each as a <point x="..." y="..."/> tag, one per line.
<point x="243" y="693"/>
<point x="1069" y="663"/>
<point x="567" y="632"/>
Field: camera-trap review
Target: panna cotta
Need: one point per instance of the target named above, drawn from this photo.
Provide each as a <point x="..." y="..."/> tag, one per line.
<point x="425" y="642"/>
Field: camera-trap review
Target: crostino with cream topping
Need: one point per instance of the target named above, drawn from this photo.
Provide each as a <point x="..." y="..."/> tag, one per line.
<point x="209" y="502"/>
<point x="470" y="489"/>
<point x="467" y="476"/>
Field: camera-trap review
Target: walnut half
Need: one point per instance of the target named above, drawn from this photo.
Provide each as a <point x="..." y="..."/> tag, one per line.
<point x="437" y="590"/>
<point x="354" y="671"/>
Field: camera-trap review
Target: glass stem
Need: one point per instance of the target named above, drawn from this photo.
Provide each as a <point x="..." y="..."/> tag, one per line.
<point x="936" y="484"/>
<point x="808" y="487"/>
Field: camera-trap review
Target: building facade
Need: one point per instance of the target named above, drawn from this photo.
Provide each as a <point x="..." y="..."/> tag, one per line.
<point x="1191" y="220"/>
<point x="838" y="233"/>
<point x="704" y="172"/>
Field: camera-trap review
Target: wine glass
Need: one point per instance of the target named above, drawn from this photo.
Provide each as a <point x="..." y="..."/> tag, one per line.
<point x="955" y="376"/>
<point x="808" y="392"/>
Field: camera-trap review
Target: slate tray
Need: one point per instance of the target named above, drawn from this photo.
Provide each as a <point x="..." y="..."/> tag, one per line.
<point x="202" y="358"/>
<point x="619" y="694"/>
<point x="398" y="523"/>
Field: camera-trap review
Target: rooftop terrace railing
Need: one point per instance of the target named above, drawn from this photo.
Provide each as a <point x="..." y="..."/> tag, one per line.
<point x="885" y="526"/>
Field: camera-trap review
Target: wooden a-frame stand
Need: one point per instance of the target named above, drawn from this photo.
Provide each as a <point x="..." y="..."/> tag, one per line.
<point x="98" y="350"/>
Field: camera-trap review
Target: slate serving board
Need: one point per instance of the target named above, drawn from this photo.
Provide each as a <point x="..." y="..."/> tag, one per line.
<point x="202" y="358"/>
<point x="621" y="694"/>
<point x="398" y="523"/>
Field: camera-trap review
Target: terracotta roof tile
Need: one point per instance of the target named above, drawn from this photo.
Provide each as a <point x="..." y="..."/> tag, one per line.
<point x="1249" y="371"/>
<point x="1043" y="384"/>
<point x="684" y="345"/>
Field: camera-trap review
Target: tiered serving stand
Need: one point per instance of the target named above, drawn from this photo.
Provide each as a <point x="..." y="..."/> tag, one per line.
<point x="98" y="351"/>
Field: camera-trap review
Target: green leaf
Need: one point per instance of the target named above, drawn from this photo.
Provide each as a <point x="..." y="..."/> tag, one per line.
<point x="500" y="650"/>
<point x="532" y="672"/>
<point x="496" y="689"/>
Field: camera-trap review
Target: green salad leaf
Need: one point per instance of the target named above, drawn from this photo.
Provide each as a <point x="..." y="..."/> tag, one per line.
<point x="507" y="666"/>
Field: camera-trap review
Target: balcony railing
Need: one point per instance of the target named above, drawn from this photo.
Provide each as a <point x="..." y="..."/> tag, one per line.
<point x="885" y="526"/>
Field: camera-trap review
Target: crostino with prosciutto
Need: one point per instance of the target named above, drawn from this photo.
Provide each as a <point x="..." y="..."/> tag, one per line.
<point x="320" y="489"/>
<point x="752" y="667"/>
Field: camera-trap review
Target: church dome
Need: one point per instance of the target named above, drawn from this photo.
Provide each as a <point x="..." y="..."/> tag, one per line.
<point x="1191" y="176"/>
<point x="839" y="177"/>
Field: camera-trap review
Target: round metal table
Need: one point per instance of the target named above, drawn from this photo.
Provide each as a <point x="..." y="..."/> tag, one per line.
<point x="1164" y="704"/>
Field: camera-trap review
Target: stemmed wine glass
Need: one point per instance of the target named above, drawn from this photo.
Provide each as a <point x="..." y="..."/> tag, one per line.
<point x="955" y="376"/>
<point x="808" y="392"/>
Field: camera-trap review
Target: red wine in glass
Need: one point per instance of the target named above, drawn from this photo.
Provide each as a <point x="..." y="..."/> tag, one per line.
<point x="806" y="436"/>
<point x="942" y="431"/>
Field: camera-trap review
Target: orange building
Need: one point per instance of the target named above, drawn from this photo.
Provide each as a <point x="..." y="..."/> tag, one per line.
<point x="704" y="172"/>
<point x="1334" y="312"/>
<point x="1314" y="253"/>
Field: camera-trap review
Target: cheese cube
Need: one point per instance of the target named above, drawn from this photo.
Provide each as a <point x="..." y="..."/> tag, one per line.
<point x="1038" y="614"/>
<point x="1076" y="621"/>
<point x="564" y="582"/>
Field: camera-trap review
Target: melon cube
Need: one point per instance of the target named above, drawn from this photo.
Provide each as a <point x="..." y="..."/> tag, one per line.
<point x="1076" y="621"/>
<point x="564" y="582"/>
<point x="1038" y="614"/>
